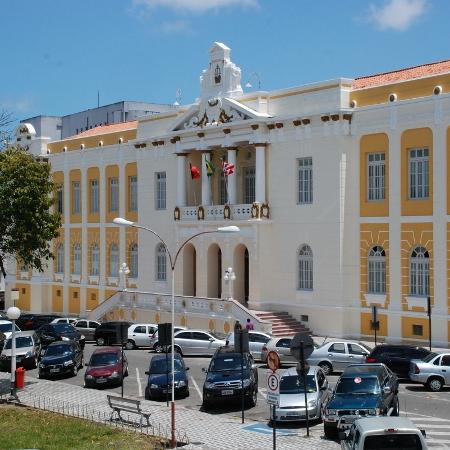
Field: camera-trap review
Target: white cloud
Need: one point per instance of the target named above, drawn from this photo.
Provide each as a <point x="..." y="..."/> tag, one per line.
<point x="197" y="6"/>
<point x="20" y="105"/>
<point x="397" y="15"/>
<point x="176" y="26"/>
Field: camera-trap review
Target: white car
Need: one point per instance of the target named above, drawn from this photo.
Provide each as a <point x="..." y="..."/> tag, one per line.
<point x="256" y="341"/>
<point x="139" y="335"/>
<point x="70" y="320"/>
<point x="6" y="328"/>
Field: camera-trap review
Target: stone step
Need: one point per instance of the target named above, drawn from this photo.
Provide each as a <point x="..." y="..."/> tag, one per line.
<point x="283" y="324"/>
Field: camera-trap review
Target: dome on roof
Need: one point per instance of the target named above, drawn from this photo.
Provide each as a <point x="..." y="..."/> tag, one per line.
<point x="25" y="129"/>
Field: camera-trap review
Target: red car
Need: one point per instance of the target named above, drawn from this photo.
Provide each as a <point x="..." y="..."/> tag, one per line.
<point x="106" y="367"/>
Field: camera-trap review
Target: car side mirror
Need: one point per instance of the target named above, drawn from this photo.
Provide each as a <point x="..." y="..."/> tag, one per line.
<point x="211" y="339"/>
<point x="147" y="372"/>
<point x="342" y="435"/>
<point x="186" y="368"/>
<point x="387" y="390"/>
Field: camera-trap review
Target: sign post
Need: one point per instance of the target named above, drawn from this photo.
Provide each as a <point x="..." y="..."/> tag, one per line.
<point x="273" y="389"/>
<point x="429" y="319"/>
<point x="375" y="323"/>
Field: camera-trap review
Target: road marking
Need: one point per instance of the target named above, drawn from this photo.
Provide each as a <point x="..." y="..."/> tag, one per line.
<point x="196" y="387"/>
<point x="428" y="396"/>
<point x="410" y="413"/>
<point x="138" y="378"/>
<point x="263" y="428"/>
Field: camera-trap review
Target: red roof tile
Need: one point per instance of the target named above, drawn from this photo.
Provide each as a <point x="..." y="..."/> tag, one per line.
<point x="105" y="129"/>
<point x="396" y="76"/>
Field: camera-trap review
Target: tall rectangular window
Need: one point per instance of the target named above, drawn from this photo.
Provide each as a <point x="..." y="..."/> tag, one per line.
<point x="133" y="193"/>
<point x="60" y="198"/>
<point x="249" y="185"/>
<point x="94" y="198"/>
<point x="376" y="176"/>
<point x="160" y="190"/>
<point x="305" y="180"/>
<point x="76" y="200"/>
<point x="113" y="194"/>
<point x="419" y="173"/>
<point x="222" y="189"/>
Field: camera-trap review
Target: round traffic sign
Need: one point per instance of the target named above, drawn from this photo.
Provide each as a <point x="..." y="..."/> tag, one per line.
<point x="272" y="382"/>
<point x="273" y="361"/>
<point x="305" y="340"/>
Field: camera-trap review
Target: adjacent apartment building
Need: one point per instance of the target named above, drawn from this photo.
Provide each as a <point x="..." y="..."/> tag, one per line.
<point x="339" y="188"/>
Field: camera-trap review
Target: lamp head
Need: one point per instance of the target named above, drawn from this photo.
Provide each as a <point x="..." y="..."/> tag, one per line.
<point x="248" y="85"/>
<point x="13" y="313"/>
<point x="230" y="229"/>
<point x="123" y="222"/>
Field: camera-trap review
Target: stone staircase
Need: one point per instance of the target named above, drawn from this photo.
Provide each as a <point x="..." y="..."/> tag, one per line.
<point x="283" y="324"/>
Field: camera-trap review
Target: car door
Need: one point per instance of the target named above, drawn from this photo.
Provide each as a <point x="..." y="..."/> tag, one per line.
<point x="445" y="368"/>
<point x="283" y="348"/>
<point x="356" y="353"/>
<point x="184" y="340"/>
<point x="337" y="353"/>
<point x="138" y="333"/>
<point x="203" y="343"/>
<point x="82" y="327"/>
<point x="395" y="359"/>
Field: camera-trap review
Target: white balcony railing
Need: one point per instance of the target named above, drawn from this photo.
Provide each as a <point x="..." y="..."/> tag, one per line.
<point x="216" y="212"/>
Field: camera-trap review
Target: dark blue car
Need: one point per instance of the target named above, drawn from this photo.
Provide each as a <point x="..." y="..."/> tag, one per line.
<point x="160" y="372"/>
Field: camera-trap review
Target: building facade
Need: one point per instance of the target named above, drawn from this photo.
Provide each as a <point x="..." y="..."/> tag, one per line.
<point x="339" y="189"/>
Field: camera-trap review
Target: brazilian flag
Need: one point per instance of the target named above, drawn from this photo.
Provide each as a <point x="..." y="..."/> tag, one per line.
<point x="210" y="168"/>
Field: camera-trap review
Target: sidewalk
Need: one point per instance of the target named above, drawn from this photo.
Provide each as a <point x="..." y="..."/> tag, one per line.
<point x="205" y="431"/>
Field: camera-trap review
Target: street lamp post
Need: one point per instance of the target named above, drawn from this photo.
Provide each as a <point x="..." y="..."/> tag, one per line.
<point x="229" y="277"/>
<point x="13" y="314"/>
<point x="173" y="260"/>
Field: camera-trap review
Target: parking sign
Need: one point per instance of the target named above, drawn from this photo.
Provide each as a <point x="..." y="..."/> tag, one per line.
<point x="273" y="388"/>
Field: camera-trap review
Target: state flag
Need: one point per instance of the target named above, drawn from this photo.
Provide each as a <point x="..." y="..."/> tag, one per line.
<point x="195" y="173"/>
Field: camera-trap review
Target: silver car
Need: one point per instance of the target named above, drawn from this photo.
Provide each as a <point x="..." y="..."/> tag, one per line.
<point x="87" y="328"/>
<point x="154" y="339"/>
<point x="256" y="341"/>
<point x="281" y="345"/>
<point x="335" y="356"/>
<point x="292" y="395"/>
<point x="197" y="342"/>
<point x="433" y="371"/>
<point x="28" y="350"/>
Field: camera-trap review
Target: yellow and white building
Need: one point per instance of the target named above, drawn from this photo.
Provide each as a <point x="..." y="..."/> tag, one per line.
<point x="340" y="190"/>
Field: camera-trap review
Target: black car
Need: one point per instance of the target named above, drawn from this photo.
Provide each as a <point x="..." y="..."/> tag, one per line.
<point x="397" y="357"/>
<point x="160" y="377"/>
<point x="60" y="358"/>
<point x="109" y="333"/>
<point x="52" y="332"/>
<point x="223" y="378"/>
<point x="34" y="321"/>
<point x="363" y="390"/>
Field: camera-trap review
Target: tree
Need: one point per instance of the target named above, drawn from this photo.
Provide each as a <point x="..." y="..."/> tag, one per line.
<point x="27" y="224"/>
<point x="6" y="119"/>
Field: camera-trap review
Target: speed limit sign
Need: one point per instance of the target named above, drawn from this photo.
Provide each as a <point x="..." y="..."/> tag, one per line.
<point x="273" y="388"/>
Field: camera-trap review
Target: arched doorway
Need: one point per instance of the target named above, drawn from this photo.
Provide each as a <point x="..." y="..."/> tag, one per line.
<point x="190" y="270"/>
<point x="214" y="272"/>
<point x="241" y="262"/>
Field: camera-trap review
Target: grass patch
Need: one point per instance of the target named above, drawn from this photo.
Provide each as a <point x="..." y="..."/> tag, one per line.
<point x="24" y="427"/>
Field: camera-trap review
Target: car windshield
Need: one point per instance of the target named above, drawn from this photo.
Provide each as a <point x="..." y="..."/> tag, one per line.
<point x="227" y="362"/>
<point x="160" y="366"/>
<point x="58" y="350"/>
<point x="104" y="359"/>
<point x="365" y="346"/>
<point x="294" y="384"/>
<point x="429" y="357"/>
<point x="21" y="341"/>
<point x="63" y="328"/>
<point x="358" y="385"/>
<point x="401" y="441"/>
<point x="7" y="327"/>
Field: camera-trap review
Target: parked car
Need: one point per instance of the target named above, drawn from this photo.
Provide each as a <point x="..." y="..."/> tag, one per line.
<point x="33" y="321"/>
<point x="397" y="357"/>
<point x="335" y="356"/>
<point x="51" y="332"/>
<point x="159" y="382"/>
<point x="197" y="342"/>
<point x="87" y="328"/>
<point x="256" y="341"/>
<point x="139" y="335"/>
<point x="380" y="433"/>
<point x="60" y="358"/>
<point x="110" y="333"/>
<point x="28" y="351"/>
<point x="362" y="390"/>
<point x="154" y="343"/>
<point x="106" y="367"/>
<point x="6" y="328"/>
<point x="223" y="378"/>
<point x="292" y="395"/>
<point x="433" y="371"/>
<point x="281" y="345"/>
<point x="70" y="320"/>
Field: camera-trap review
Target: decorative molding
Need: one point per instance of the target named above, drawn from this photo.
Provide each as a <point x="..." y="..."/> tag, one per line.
<point x="227" y="130"/>
<point x="270" y="126"/>
<point x="75" y="277"/>
<point x="297" y="122"/>
<point x="255" y="126"/>
<point x="201" y="134"/>
<point x="325" y="118"/>
<point x="279" y="125"/>
<point x="58" y="277"/>
<point x="334" y="117"/>
<point x="155" y="143"/>
<point x="379" y="299"/>
<point x="113" y="281"/>
<point x="416" y="301"/>
<point x="93" y="279"/>
<point x="306" y="121"/>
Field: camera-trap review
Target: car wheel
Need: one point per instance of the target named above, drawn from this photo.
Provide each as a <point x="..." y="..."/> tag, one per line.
<point x="330" y="431"/>
<point x="147" y="395"/>
<point x="40" y="376"/>
<point x="126" y="372"/>
<point x="206" y="405"/>
<point x="158" y="348"/>
<point x="74" y="370"/>
<point x="100" y="341"/>
<point x="326" y="367"/>
<point x="434" y="384"/>
<point x="396" y="406"/>
<point x="35" y="362"/>
<point x="130" y="345"/>
<point x="178" y="350"/>
<point x="254" y="399"/>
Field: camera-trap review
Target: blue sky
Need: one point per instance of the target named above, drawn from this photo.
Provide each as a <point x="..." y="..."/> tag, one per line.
<point x="56" y="54"/>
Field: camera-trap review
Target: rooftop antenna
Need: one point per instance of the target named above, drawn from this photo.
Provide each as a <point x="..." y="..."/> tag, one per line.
<point x="177" y="98"/>
<point x="98" y="99"/>
<point x="254" y="75"/>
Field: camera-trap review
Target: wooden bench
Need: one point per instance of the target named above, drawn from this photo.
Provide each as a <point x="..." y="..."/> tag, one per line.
<point x="120" y="404"/>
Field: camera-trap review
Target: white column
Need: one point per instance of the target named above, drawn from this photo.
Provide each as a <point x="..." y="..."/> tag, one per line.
<point x="206" y="186"/>
<point x="260" y="175"/>
<point x="181" y="177"/>
<point x="102" y="211"/>
<point x="67" y="249"/>
<point x="84" y="238"/>
<point x="231" y="157"/>
<point x="122" y="203"/>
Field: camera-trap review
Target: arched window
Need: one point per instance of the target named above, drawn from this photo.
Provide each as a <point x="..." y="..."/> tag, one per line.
<point x="419" y="272"/>
<point x="305" y="268"/>
<point x="60" y="259"/>
<point x="377" y="270"/>
<point x="95" y="260"/>
<point x="77" y="259"/>
<point x="113" y="260"/>
<point x="161" y="263"/>
<point x="133" y="261"/>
